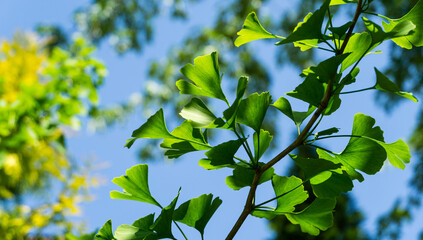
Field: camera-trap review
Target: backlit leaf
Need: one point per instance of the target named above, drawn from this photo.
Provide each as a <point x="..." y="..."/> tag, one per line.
<point x="283" y="105"/>
<point x="135" y="185"/>
<point x="243" y="177"/>
<point x="318" y="216"/>
<point x="415" y="15"/>
<point x="105" y="232"/>
<point x="261" y="143"/>
<point x="197" y="113"/>
<point x="339" y="2"/>
<point x="402" y="29"/>
<point x="357" y="46"/>
<point x="205" y="77"/>
<point x="197" y="212"/>
<point x="252" y="110"/>
<point x="221" y="155"/>
<point x="154" y="128"/>
<point x="385" y="84"/>
<point x="252" y="30"/>
<point x="398" y="153"/>
<point x="163" y="223"/>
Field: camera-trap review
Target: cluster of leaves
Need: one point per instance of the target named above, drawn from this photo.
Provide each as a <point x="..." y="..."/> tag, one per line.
<point x="40" y="95"/>
<point x="330" y="174"/>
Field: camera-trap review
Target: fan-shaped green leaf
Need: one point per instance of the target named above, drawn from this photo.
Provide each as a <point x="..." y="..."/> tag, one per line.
<point x="261" y="143"/>
<point x="129" y="232"/>
<point x="415" y="15"/>
<point x="221" y="155"/>
<point x="231" y="112"/>
<point x="402" y="29"/>
<point x="318" y="216"/>
<point x="197" y="113"/>
<point x="311" y="27"/>
<point x="357" y="46"/>
<point x="252" y="30"/>
<point x="105" y="232"/>
<point x="205" y="78"/>
<point x="154" y="128"/>
<point x="163" y="223"/>
<point x="326" y="132"/>
<point x="385" y="84"/>
<point x="311" y="91"/>
<point x="197" y="212"/>
<point x="135" y="185"/>
<point x="283" y="105"/>
<point x="252" y="110"/>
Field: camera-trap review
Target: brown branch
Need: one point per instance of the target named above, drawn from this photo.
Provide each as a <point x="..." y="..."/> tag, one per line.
<point x="249" y="204"/>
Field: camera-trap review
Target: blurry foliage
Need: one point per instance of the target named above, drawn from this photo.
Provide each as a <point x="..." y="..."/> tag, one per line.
<point x="42" y="97"/>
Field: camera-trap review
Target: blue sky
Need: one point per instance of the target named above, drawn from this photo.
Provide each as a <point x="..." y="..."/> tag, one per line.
<point x="127" y="75"/>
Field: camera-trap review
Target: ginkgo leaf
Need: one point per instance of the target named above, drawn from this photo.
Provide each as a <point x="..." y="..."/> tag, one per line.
<point x="252" y="110"/>
<point x="361" y="153"/>
<point x="326" y="132"/>
<point x="205" y="77"/>
<point x="311" y="91"/>
<point x="283" y="105"/>
<point x="402" y="29"/>
<point x="318" y="216"/>
<point x="105" y="232"/>
<point x="341" y="30"/>
<point x="198" y="113"/>
<point x="261" y="143"/>
<point x="197" y="212"/>
<point x="357" y="46"/>
<point x="339" y="2"/>
<point x="221" y="155"/>
<point x="163" y="223"/>
<point x="154" y="128"/>
<point x="290" y="192"/>
<point x="398" y="153"/>
<point x="243" y="177"/>
<point x="135" y="185"/>
<point x="415" y="15"/>
<point x="311" y="27"/>
<point x="231" y="112"/>
<point x="385" y="84"/>
<point x="144" y="223"/>
<point x="129" y="232"/>
<point x="252" y="30"/>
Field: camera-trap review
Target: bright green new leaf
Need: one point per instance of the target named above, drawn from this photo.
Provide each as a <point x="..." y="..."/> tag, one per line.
<point x="221" y="155"/>
<point x="402" y="29"/>
<point x="205" y="77"/>
<point x="243" y="177"/>
<point x="261" y="143"/>
<point x="361" y="153"/>
<point x="283" y="105"/>
<point x="415" y="15"/>
<point x="163" y="223"/>
<point x="385" y="84"/>
<point x="339" y="2"/>
<point x="197" y="212"/>
<point x="135" y="185"/>
<point x="129" y="232"/>
<point x="311" y="27"/>
<point x="154" y="128"/>
<point x="291" y="192"/>
<point x="398" y="153"/>
<point x="252" y="110"/>
<point x="252" y="30"/>
<point x="197" y="113"/>
<point x="105" y="232"/>
<point x="357" y="46"/>
<point x="318" y="216"/>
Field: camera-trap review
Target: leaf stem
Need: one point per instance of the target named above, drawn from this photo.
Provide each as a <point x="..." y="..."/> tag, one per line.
<point x="180" y="229"/>
<point x="335" y="136"/>
<point x="315" y="126"/>
<point x="279" y="196"/>
<point x="356" y="91"/>
<point x="249" y="203"/>
<point x="324" y="149"/>
<point x="245" y="144"/>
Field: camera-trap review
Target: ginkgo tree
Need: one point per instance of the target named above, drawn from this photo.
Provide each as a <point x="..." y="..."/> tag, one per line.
<point x="329" y="175"/>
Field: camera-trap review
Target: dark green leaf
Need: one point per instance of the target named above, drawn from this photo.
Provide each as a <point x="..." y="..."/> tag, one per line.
<point x="340" y="31"/>
<point x="385" y="84"/>
<point x="252" y="110"/>
<point x="197" y="212"/>
<point x="311" y="91"/>
<point x="144" y="223"/>
<point x="261" y="143"/>
<point x="163" y="223"/>
<point x="415" y="15"/>
<point x="221" y="155"/>
<point x="318" y="216"/>
<point x="231" y="112"/>
<point x="135" y="185"/>
<point x="205" y="77"/>
<point x="252" y="30"/>
<point x="326" y="132"/>
<point x="197" y="113"/>
<point x="105" y="232"/>
<point x="283" y="105"/>
<point x="243" y="177"/>
<point x="311" y="27"/>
